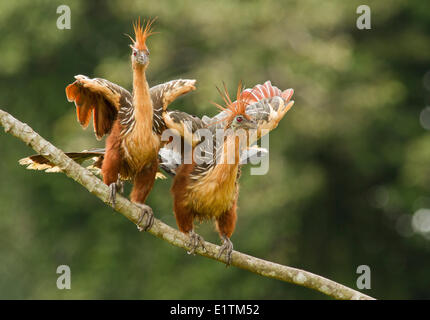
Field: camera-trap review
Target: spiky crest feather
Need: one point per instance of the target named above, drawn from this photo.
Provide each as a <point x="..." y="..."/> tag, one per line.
<point x="235" y="108"/>
<point x="142" y="34"/>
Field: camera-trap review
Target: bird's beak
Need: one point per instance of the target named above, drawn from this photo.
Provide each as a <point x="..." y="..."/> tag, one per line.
<point x="142" y="58"/>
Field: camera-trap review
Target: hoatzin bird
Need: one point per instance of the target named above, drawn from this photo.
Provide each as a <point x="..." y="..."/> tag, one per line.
<point x="208" y="187"/>
<point x="130" y="120"/>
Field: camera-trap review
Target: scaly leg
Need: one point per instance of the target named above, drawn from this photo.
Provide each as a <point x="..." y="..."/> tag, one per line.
<point x="143" y="183"/>
<point x="196" y="240"/>
<point x="227" y="246"/>
<point x="112" y="194"/>
<point x="149" y="214"/>
<point x="184" y="214"/>
<point x="115" y="187"/>
<point x="225" y="225"/>
<point x="120" y="185"/>
<point x="112" y="162"/>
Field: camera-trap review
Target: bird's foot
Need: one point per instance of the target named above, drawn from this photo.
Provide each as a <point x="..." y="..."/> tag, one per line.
<point x="120" y="185"/>
<point x="227" y="247"/>
<point x="112" y="194"/>
<point x="196" y="240"/>
<point x="115" y="187"/>
<point x="149" y="214"/>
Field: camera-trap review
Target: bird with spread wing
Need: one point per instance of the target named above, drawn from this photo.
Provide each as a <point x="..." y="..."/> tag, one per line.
<point x="132" y="122"/>
<point x="204" y="189"/>
<point x="263" y="105"/>
<point x="208" y="187"/>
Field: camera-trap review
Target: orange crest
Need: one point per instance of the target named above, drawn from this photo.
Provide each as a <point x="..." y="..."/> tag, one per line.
<point x="235" y="108"/>
<point x="142" y="34"/>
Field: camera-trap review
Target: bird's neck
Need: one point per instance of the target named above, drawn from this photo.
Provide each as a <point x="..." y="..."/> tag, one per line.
<point x="229" y="158"/>
<point x="224" y="172"/>
<point x="231" y="150"/>
<point x="142" y="101"/>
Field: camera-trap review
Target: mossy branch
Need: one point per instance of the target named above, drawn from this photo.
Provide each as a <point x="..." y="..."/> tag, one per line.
<point x="93" y="184"/>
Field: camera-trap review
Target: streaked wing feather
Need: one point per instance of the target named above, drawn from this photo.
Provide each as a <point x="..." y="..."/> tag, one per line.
<point x="40" y="162"/>
<point x="266" y="105"/>
<point x="163" y="94"/>
<point x="183" y="123"/>
<point x="99" y="97"/>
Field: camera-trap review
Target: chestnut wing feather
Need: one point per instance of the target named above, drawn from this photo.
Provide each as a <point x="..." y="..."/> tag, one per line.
<point x="99" y="97"/>
<point x="107" y="101"/>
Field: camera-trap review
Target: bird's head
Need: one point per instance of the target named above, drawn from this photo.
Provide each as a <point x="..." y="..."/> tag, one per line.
<point x="139" y="50"/>
<point x="236" y="111"/>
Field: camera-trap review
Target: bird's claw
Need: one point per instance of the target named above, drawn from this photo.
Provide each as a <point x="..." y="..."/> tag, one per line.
<point x="195" y="241"/>
<point x="146" y="211"/>
<point x="112" y="194"/>
<point x="227" y="247"/>
<point x="115" y="187"/>
<point x="120" y="185"/>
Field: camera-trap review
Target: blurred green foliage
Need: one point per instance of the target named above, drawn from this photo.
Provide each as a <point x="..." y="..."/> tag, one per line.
<point x="349" y="164"/>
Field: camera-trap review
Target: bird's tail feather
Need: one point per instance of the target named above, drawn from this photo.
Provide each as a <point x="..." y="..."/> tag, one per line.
<point x="40" y="162"/>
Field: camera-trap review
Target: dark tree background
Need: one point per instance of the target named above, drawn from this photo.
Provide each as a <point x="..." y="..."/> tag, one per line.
<point x="349" y="171"/>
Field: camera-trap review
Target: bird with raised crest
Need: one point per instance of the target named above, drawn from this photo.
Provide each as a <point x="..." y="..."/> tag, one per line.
<point x="133" y="122"/>
<point x="265" y="105"/>
<point x="208" y="187"/>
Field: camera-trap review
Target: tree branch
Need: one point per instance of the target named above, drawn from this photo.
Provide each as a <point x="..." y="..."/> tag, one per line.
<point x="78" y="173"/>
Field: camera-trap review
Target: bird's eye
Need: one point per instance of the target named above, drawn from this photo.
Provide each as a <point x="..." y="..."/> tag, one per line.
<point x="135" y="53"/>
<point x="239" y="119"/>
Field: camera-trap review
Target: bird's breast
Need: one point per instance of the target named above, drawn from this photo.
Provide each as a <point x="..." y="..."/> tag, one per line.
<point x="140" y="149"/>
<point x="214" y="193"/>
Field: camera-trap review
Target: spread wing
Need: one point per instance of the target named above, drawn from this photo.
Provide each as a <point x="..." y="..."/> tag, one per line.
<point x="100" y="98"/>
<point x="266" y="90"/>
<point x="164" y="94"/>
<point x="106" y="100"/>
<point x="184" y="124"/>
<point x="170" y="160"/>
<point x="267" y="105"/>
<point x="177" y="120"/>
<point x="268" y="112"/>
